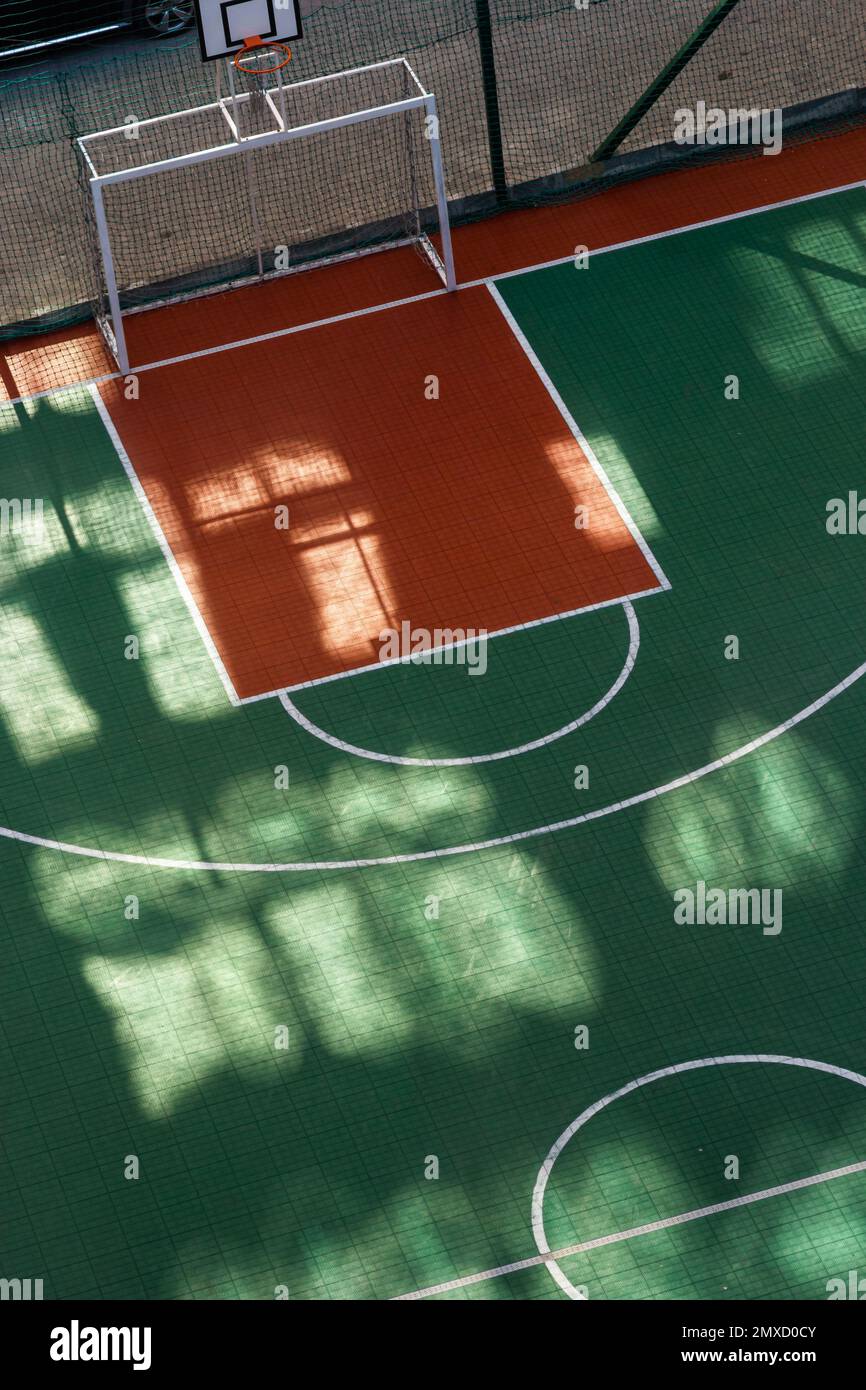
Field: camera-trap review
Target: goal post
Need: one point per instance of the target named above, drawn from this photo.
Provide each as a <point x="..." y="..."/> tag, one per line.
<point x="260" y="184"/>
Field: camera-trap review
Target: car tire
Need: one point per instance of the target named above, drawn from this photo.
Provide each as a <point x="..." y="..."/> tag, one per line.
<point x="162" y="19"/>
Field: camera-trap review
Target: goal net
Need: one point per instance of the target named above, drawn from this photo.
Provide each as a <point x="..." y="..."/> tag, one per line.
<point x="262" y="182"/>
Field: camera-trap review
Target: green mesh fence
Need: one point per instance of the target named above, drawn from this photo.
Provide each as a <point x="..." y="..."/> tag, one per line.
<point x="529" y="92"/>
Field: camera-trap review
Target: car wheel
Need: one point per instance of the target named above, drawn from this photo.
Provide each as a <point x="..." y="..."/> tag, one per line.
<point x="162" y="18"/>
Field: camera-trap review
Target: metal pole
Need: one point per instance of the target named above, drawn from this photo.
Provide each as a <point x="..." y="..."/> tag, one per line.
<point x="249" y="172"/>
<point x="110" y="277"/>
<point x="491" y="100"/>
<point x="409" y="127"/>
<point x="230" y="67"/>
<point x="664" y="79"/>
<point x="441" y="195"/>
<point x="282" y="85"/>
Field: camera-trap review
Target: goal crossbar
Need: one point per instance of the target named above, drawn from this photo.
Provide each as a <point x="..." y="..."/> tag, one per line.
<point x="238" y="144"/>
<point x="258" y="142"/>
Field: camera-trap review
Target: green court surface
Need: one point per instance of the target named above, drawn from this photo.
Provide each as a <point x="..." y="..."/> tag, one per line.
<point x="431" y="1002"/>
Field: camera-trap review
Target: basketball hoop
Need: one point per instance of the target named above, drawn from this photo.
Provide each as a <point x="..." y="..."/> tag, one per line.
<point x="260" y="59"/>
<point x="261" y="63"/>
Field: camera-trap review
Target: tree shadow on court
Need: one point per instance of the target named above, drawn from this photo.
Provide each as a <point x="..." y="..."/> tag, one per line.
<point x="411" y="1038"/>
<point x="253" y="1176"/>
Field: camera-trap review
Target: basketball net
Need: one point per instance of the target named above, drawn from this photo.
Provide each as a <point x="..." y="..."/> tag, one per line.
<point x="255" y="70"/>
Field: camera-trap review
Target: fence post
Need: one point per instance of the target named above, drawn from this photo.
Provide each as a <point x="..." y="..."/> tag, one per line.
<point x="663" y="80"/>
<point x="491" y="100"/>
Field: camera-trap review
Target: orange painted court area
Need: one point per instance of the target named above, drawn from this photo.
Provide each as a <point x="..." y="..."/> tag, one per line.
<point x="448" y="513"/>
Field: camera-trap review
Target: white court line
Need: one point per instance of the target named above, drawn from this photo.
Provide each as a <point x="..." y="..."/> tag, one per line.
<point x="582" y="441"/>
<point x="533" y="1261"/>
<point x="419" y="856"/>
<point x="679" y="231"/>
<point x="449" y="646"/>
<point x="485" y="281"/>
<point x="549" y="1257"/>
<point x="238" y="343"/>
<point x="159" y="534"/>
<point x="600" y="704"/>
<point x="733" y="1059"/>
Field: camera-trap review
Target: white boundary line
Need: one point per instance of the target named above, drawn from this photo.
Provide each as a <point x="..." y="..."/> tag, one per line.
<point x="419" y="856"/>
<point x="490" y="284"/>
<point x="679" y="231"/>
<point x="159" y="534"/>
<point x="550" y="1257"/>
<point x="582" y="441"/>
<point x="429" y="294"/>
<point x="600" y="704"/>
<point x="733" y="1059"/>
<point x="230" y="347"/>
<point x="451" y="646"/>
<point x="649" y="1229"/>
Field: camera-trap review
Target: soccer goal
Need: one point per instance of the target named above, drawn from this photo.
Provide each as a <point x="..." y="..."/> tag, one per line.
<point x="268" y="179"/>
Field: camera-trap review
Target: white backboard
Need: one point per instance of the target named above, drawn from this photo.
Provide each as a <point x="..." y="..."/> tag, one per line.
<point x="224" y="24"/>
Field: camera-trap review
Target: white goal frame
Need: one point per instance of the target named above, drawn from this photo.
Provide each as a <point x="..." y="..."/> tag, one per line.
<point x="111" y="324"/>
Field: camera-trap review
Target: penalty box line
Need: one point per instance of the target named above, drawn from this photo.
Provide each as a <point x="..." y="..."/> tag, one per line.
<point x="650" y="1228"/>
<point x="159" y="535"/>
<point x="577" y="433"/>
<point x="511" y="327"/>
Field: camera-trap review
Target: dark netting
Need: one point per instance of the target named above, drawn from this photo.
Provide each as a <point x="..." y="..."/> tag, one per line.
<point x="596" y="62"/>
<point x="599" y="59"/>
<point x="537" y="99"/>
<point x="810" y="64"/>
